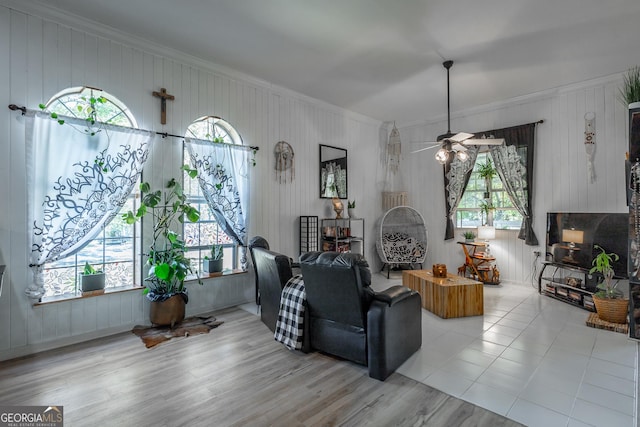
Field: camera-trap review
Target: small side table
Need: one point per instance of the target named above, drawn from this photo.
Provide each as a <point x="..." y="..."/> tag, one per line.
<point x="478" y="263"/>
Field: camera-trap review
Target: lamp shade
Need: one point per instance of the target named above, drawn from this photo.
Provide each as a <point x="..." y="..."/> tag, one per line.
<point x="572" y="236"/>
<point x="486" y="232"/>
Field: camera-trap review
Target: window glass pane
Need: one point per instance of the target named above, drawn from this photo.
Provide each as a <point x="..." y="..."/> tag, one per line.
<point x="202" y="235"/>
<point x="469" y="213"/>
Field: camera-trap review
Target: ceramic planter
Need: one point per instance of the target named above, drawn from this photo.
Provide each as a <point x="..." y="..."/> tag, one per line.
<point x="92" y="282"/>
<point x="212" y="265"/>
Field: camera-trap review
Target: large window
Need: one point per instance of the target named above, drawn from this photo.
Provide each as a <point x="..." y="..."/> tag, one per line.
<point x="474" y="208"/>
<point x="113" y="249"/>
<point x="200" y="236"/>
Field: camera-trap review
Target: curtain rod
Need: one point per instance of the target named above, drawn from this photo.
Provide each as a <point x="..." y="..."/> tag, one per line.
<point x="24" y="110"/>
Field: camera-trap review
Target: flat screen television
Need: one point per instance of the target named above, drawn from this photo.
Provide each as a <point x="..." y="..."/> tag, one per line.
<point x="571" y="237"/>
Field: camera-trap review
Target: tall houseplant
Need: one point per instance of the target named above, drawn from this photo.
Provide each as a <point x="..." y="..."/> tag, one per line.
<point x="609" y="301"/>
<point x="168" y="265"/>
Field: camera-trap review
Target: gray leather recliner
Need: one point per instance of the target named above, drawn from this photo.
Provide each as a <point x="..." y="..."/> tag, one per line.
<point x="350" y="320"/>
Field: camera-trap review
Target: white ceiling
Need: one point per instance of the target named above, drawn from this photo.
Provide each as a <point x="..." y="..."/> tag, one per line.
<point x="383" y="58"/>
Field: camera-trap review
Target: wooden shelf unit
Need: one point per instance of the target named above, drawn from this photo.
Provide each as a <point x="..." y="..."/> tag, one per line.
<point x="479" y="264"/>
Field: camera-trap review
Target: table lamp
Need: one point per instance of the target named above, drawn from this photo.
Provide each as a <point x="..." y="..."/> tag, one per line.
<point x="486" y="233"/>
<point x="572" y="237"/>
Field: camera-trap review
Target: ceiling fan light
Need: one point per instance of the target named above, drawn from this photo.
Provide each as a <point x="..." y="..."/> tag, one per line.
<point x="442" y="156"/>
<point x="463" y="156"/>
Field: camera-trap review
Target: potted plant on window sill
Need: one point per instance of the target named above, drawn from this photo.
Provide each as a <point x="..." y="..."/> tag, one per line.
<point x="213" y="264"/>
<point x="91" y="279"/>
<point x="469" y="236"/>
<point x="610" y="303"/>
<point x="168" y="265"/>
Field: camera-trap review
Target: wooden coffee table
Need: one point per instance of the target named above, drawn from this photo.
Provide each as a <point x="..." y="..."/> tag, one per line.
<point x="447" y="297"/>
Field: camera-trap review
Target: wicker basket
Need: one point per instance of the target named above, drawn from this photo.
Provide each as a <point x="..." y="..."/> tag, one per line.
<point x="612" y="310"/>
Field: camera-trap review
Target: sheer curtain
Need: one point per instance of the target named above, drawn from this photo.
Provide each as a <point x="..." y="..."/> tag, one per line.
<point x="456" y="177"/>
<point x="223" y="174"/>
<point x="70" y="198"/>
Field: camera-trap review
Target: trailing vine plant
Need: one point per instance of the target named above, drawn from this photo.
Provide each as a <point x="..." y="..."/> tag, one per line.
<point x="88" y="107"/>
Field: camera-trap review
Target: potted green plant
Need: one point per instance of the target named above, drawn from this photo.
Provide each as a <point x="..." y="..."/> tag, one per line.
<point x="610" y="303"/>
<point x="351" y="208"/>
<point x="487" y="172"/>
<point x="168" y="264"/>
<point x="213" y="264"/>
<point x="487" y="210"/>
<point x="469" y="236"/>
<point x="91" y="279"/>
<point x="630" y="90"/>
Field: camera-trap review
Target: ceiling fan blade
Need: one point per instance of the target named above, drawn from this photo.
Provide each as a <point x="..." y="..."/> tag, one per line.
<point x="461" y="136"/>
<point x="427" y="142"/>
<point x="424" y="149"/>
<point x="484" y="141"/>
<point x="458" y="147"/>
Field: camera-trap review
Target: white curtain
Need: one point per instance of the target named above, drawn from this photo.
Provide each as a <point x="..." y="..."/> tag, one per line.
<point x="223" y="175"/>
<point x="71" y="197"/>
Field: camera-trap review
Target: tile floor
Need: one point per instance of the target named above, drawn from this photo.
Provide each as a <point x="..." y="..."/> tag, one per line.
<point x="529" y="358"/>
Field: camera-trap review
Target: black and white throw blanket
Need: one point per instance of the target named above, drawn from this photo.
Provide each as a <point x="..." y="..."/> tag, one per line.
<point x="289" y="326"/>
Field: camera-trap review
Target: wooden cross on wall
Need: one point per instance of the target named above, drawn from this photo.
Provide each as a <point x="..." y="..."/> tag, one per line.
<point x="163" y="95"/>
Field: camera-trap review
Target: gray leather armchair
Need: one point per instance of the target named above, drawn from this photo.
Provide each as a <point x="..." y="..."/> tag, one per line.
<point x="273" y="271"/>
<point x="350" y="320"/>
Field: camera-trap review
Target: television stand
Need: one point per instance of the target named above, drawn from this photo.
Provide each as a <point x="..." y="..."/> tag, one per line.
<point x="567" y="283"/>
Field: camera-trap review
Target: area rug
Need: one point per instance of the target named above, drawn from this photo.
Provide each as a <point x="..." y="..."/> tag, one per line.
<point x="154" y="335"/>
<point x="595" y="322"/>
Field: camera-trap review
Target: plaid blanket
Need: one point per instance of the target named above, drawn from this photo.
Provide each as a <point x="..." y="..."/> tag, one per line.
<point x="289" y="326"/>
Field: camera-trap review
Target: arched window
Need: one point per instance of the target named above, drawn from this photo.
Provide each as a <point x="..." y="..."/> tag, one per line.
<point x="202" y="235"/>
<point x="113" y="250"/>
<point x="77" y="102"/>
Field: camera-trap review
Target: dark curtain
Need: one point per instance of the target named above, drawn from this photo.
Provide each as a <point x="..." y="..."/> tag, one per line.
<point x="514" y="163"/>
<point x="456" y="178"/>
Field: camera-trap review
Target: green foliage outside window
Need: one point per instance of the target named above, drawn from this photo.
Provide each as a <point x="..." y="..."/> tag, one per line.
<point x="470" y="213"/>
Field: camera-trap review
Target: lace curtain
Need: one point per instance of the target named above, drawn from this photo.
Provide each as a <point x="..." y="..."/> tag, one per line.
<point x="70" y="197"/>
<point x="514" y="163"/>
<point x="223" y="175"/>
<point x="456" y="177"/>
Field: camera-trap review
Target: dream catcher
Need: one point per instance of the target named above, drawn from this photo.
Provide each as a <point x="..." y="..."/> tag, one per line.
<point x="284" y="161"/>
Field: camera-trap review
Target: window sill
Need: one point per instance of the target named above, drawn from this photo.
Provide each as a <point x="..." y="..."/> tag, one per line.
<point x="111" y="291"/>
<point x="80" y="295"/>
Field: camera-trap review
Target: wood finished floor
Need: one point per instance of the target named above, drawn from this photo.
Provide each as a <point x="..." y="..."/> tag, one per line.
<point x="236" y="375"/>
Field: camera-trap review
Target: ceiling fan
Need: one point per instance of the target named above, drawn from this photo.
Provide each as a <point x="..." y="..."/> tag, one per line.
<point x="455" y="143"/>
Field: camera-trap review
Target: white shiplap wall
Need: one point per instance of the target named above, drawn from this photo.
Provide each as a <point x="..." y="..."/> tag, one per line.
<point x="44" y="56"/>
<point x="561" y="181"/>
